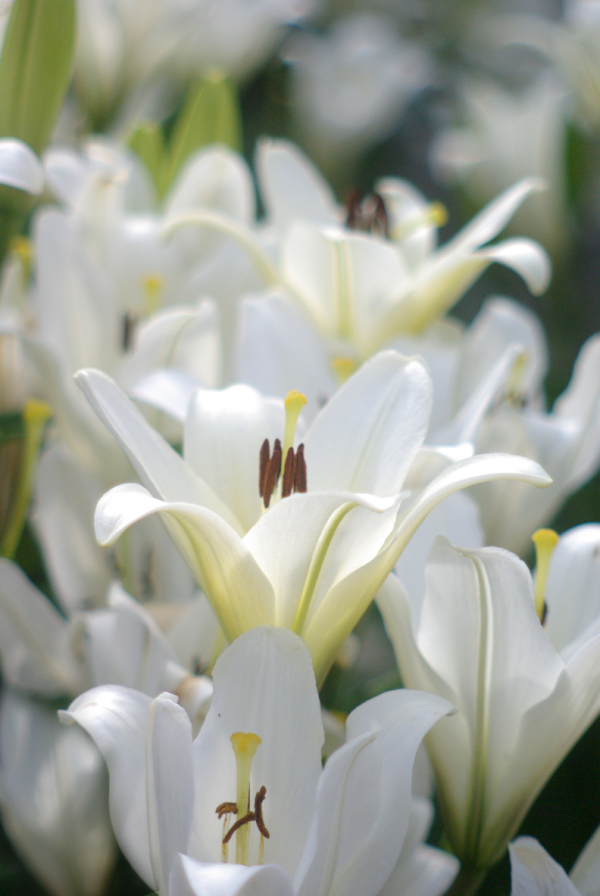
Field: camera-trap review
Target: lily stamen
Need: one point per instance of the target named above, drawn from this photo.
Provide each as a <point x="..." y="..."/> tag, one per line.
<point x="269" y="470"/>
<point x="258" y="816"/>
<point x="545" y="541"/>
<point x="250" y="816"/>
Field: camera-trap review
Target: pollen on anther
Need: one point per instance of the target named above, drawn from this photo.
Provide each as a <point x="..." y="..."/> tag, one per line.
<point x="289" y="472"/>
<point x="272" y="473"/>
<point x="300" y="483"/>
<point x="265" y="453"/>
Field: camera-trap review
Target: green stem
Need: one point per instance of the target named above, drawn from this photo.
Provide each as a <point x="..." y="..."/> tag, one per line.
<point x="467" y="881"/>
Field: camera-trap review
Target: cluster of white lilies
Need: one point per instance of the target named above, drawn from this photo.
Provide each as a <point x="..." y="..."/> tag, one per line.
<point x="234" y="417"/>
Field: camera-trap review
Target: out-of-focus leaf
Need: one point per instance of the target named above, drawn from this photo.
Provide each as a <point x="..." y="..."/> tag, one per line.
<point x="35" y="68"/>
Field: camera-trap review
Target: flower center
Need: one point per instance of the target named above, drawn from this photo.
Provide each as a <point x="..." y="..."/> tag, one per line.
<point x="368" y="214"/>
<point x="244" y="748"/>
<point x="545" y="540"/>
<point x="294" y="467"/>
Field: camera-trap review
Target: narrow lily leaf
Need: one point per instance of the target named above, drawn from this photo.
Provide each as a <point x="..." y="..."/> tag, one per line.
<point x="147" y="142"/>
<point x="210" y="115"/>
<point x="35" y="68"/>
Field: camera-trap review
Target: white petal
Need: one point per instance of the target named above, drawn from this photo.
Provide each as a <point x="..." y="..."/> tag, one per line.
<point x="573" y="586"/>
<point x="291" y="187"/>
<point x="494" y="217"/>
<point x="20" y="167"/>
<point x="53" y="792"/>
<point x="280" y="351"/>
<point x="191" y="878"/>
<point x="535" y="873"/>
<point x="367" y="436"/>
<point x="169" y="781"/>
<point x="117" y="718"/>
<point x="526" y="257"/>
<point x="34" y="638"/>
<point x="365" y="795"/>
<point x="155" y="462"/>
<point x="223" y="434"/>
<point x="240" y="593"/>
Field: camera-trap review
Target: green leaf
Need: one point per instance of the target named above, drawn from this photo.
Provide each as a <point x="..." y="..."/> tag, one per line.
<point x="147" y="142"/>
<point x="210" y="115"/>
<point x="35" y="68"/>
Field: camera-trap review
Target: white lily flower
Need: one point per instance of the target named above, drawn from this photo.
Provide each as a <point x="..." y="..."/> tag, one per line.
<point x="126" y="46"/>
<point x="508" y="136"/>
<point x="312" y="562"/>
<point x="53" y="798"/>
<point x="47" y="655"/>
<point x="566" y="441"/>
<point x="309" y="831"/>
<point x="525" y="695"/>
<point x="361" y="289"/>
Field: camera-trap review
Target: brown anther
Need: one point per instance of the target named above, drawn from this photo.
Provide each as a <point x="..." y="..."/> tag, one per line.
<point x="128" y="322"/>
<point x="544" y="614"/>
<point x="354" y="210"/>
<point x="300" y="472"/>
<point x="265" y="453"/>
<point x="368" y="215"/>
<point x="226" y="809"/>
<point x="258" y="816"/>
<point x="289" y="472"/>
<point x="379" y="220"/>
<point x="239" y="823"/>
<point x="272" y="473"/>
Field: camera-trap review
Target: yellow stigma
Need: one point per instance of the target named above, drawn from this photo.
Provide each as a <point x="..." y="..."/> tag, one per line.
<point x="23" y="248"/>
<point x="434" y="214"/>
<point x="294" y="402"/>
<point x="153" y="286"/>
<point x="545" y="540"/>
<point x="343" y="368"/>
<point x="244" y="747"/>
<point x="516" y="378"/>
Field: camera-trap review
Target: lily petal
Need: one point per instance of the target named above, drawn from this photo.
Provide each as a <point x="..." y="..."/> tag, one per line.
<point x="191" y="878"/>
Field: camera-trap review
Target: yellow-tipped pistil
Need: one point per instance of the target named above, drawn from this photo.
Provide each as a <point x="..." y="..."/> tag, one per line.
<point x="343" y="368"/>
<point x="153" y="286"/>
<point x="545" y="540"/>
<point x="244" y="747"/>
<point x="434" y="215"/>
<point x="294" y="402"/>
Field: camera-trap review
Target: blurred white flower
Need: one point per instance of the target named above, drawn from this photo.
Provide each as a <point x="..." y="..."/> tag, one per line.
<point x="505" y="136"/>
<point x="128" y="47"/>
<point x="350" y="87"/>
